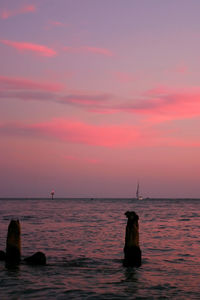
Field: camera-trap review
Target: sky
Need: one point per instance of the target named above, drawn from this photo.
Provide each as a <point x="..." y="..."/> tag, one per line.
<point x="98" y="95"/>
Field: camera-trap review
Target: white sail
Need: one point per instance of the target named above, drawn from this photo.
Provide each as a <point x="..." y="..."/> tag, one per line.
<point x="138" y="197"/>
<point x="137" y="191"/>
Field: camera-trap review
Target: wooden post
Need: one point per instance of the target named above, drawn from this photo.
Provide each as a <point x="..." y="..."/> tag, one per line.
<point x="132" y="252"/>
<point x="13" y="243"/>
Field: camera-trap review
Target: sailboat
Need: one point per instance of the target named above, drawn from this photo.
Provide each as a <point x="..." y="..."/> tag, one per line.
<point x="138" y="197"/>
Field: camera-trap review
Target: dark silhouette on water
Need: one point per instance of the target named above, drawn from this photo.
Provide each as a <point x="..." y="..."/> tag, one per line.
<point x="52" y="194"/>
<point x="13" y="243"/>
<point x="38" y="258"/>
<point x="132" y="252"/>
<point x="12" y="256"/>
<point x="2" y="255"/>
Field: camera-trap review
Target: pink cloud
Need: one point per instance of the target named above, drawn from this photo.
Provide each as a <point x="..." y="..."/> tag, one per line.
<point x="75" y="132"/>
<point x="79" y="132"/>
<point x="173" y="104"/>
<point x="95" y="50"/>
<point x="56" y="23"/>
<point x="87" y="49"/>
<point x="110" y="136"/>
<point x="86" y="100"/>
<point x="179" y="69"/>
<point x="35" y="48"/>
<point x="182" y="69"/>
<point x="5" y="14"/>
<point x="24" y="89"/>
<point x="156" y="105"/>
<point x="124" y="77"/>
<point x="158" y="90"/>
<point x="52" y="24"/>
<point x="15" y="83"/>
<point x="82" y="159"/>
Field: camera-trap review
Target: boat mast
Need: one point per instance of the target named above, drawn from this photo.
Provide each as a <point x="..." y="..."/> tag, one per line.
<point x="137" y="191"/>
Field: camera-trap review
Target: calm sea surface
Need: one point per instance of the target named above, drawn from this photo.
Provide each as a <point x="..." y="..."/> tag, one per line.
<point x="83" y="240"/>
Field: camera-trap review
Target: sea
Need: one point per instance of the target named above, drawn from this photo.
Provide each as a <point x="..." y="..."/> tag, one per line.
<point x="83" y="240"/>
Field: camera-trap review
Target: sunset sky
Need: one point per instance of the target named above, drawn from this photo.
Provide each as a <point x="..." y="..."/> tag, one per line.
<point x="98" y="94"/>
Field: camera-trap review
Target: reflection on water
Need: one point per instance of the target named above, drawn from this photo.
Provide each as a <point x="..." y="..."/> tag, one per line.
<point x="84" y="239"/>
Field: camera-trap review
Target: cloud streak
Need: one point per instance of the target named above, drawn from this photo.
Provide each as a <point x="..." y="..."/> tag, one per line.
<point x="170" y="104"/>
<point x="16" y="83"/>
<point x="30" y="47"/>
<point x="24" y="89"/>
<point x="53" y="24"/>
<point x="179" y="69"/>
<point x="81" y="159"/>
<point x="74" y="132"/>
<point x="88" y="49"/>
<point x="156" y="105"/>
<point x="109" y="136"/>
<point x="86" y="100"/>
<point x="5" y="14"/>
<point x="124" y="77"/>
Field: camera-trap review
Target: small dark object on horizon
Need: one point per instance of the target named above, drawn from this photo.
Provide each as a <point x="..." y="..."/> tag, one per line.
<point x="38" y="258"/>
<point x="52" y="194"/>
<point x="132" y="252"/>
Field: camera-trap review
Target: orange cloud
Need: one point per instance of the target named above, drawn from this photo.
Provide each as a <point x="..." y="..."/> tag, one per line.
<point x="35" y="48"/>
<point x="5" y="14"/>
<point x="87" y="49"/>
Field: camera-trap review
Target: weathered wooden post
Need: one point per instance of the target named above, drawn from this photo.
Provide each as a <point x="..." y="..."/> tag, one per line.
<point x="132" y="252"/>
<point x="13" y="243"/>
<point x="13" y="248"/>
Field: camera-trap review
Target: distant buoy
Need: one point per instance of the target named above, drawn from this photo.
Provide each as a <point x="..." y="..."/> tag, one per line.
<point x="52" y="194"/>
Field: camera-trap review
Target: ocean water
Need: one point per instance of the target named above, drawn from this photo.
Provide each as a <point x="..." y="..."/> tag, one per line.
<point x="83" y="240"/>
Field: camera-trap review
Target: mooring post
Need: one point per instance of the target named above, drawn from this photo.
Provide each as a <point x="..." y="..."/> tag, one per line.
<point x="132" y="252"/>
<point x="13" y="243"/>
